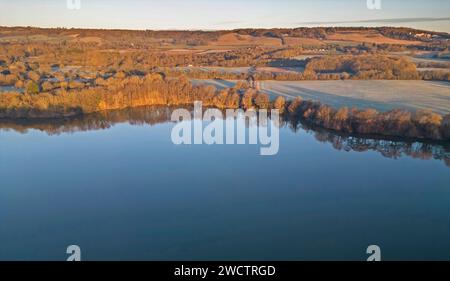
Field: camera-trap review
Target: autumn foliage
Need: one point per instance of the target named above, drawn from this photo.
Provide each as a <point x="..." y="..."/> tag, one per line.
<point x="154" y="89"/>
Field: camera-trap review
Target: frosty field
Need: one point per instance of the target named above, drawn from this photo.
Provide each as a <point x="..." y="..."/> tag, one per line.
<point x="382" y="95"/>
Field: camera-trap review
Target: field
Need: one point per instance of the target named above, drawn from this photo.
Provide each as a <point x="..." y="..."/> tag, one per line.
<point x="378" y="94"/>
<point x="368" y="37"/>
<point x="218" y="83"/>
<point x="9" y="89"/>
<point x="235" y="70"/>
<point x="382" y="95"/>
<point x="243" y="70"/>
<point x="233" y="39"/>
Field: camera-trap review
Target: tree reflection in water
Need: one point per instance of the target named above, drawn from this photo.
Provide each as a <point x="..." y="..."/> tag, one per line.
<point x="391" y="148"/>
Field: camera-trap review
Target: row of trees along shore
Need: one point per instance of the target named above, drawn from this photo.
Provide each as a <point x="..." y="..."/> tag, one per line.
<point x="154" y="89"/>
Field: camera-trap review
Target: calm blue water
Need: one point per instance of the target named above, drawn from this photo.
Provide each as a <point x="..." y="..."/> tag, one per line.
<point x="127" y="193"/>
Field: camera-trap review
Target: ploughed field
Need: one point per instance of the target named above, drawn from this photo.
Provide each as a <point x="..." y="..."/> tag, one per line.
<point x="382" y="95"/>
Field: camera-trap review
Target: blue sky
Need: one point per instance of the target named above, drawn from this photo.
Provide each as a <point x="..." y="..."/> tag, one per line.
<point x="229" y="14"/>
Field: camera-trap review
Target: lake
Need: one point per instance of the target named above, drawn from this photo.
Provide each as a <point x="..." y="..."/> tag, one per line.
<point x="115" y="184"/>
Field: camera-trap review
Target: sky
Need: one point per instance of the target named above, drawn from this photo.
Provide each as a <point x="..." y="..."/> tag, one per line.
<point x="224" y="14"/>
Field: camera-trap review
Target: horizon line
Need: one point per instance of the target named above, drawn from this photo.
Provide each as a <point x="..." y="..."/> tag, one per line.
<point x="216" y="30"/>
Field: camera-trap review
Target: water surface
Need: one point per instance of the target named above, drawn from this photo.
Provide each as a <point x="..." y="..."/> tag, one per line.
<point x="115" y="185"/>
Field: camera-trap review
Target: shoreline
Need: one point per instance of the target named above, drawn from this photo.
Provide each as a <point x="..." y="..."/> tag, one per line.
<point x="155" y="90"/>
<point x="285" y="116"/>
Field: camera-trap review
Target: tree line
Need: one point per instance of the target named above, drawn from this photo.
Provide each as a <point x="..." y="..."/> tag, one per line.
<point x="155" y="89"/>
